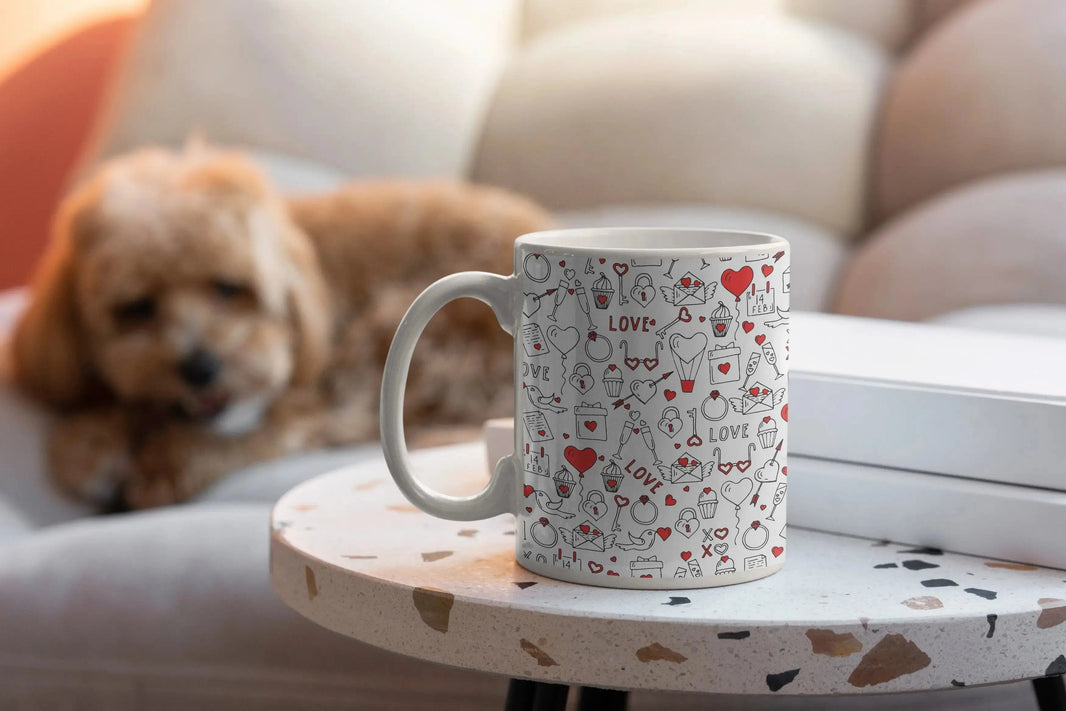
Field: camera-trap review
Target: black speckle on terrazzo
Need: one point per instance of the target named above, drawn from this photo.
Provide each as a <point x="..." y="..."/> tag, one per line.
<point x="986" y="594"/>
<point x="526" y="584"/>
<point x="777" y="681"/>
<point x="743" y="634"/>
<point x="991" y="617"/>
<point x="956" y="682"/>
<point x="924" y="551"/>
<point x="1056" y="667"/>
<point x="677" y="601"/>
<point x="939" y="583"/>
<point x="919" y="565"/>
<point x="881" y="566"/>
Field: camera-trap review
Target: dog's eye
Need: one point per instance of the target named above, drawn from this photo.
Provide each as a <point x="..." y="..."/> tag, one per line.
<point x="229" y="289"/>
<point x="135" y="311"/>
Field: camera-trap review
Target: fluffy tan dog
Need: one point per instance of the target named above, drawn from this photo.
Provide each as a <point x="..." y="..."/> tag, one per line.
<point x="188" y="320"/>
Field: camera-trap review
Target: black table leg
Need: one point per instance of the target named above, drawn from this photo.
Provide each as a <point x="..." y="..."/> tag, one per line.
<point x="550" y="697"/>
<point x="520" y="695"/>
<point x="1050" y="693"/>
<point x="593" y="699"/>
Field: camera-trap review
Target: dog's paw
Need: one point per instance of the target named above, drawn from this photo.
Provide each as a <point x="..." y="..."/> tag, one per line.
<point x="89" y="457"/>
<point x="146" y="493"/>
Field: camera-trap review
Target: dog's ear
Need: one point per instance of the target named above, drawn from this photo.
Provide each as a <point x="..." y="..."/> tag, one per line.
<point x="48" y="355"/>
<point x="309" y="307"/>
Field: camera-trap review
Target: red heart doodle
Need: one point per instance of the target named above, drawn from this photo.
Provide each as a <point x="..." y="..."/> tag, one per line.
<point x="760" y="338"/>
<point x="715" y="394"/>
<point x="721" y="533"/>
<point x="612" y="367"/>
<point x="743" y="464"/>
<point x="725" y="467"/>
<point x="651" y="363"/>
<point x="601" y="457"/>
<point x="611" y="572"/>
<point x="563" y="488"/>
<point x="632" y="363"/>
<point x="677" y="445"/>
<point x="685" y="489"/>
<point x="683" y="315"/>
<point x="683" y="461"/>
<point x="536" y="346"/>
<point x="646" y="575"/>
<point x="723" y="368"/>
<point x="725" y="559"/>
<point x="529" y="510"/>
<point x="685" y="555"/>
<point x="747" y="326"/>
<point x="595" y="567"/>
<point x="670" y="500"/>
<point x="784" y="412"/>
<point x="612" y="483"/>
<point x="620" y="268"/>
<point x="686" y="282"/>
<point x="735" y="282"/>
<point x="763" y="507"/>
<point x="766" y="419"/>
<point x="541" y="432"/>
<point x="602" y="298"/>
<point x="777" y="550"/>
<point x="702" y="319"/>
<point x="584" y="528"/>
<point x="706" y="490"/>
<point x="784" y="470"/>
<point x="562" y="263"/>
<point x="753" y="391"/>
<point x="590" y="425"/>
<point x="664" y="532"/>
<point x="614" y="559"/>
<point x="767" y="270"/>
<point x="566" y="436"/>
<point x="621" y="500"/>
<point x="755" y="525"/>
<point x="670" y="395"/>
<point x="527" y="490"/>
<point x="602" y="260"/>
<point x="720" y="327"/>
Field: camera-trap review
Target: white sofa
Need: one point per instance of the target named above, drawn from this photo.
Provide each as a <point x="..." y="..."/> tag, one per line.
<point x="833" y="123"/>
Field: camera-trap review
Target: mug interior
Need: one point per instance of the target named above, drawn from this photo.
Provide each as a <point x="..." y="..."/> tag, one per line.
<point x="652" y="239"/>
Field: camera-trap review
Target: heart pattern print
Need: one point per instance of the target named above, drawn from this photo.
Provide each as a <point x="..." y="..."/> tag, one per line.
<point x="652" y="437"/>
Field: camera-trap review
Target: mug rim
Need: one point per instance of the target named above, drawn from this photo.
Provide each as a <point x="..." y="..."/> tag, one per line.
<point x="686" y="240"/>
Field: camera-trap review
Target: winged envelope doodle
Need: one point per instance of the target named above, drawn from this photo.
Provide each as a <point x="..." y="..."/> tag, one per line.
<point x="587" y="537"/>
<point x="689" y="290"/>
<point x="758" y="398"/>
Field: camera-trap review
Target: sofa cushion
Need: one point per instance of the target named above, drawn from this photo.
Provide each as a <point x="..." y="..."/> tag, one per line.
<point x="378" y="88"/>
<point x="688" y="107"/>
<point x="998" y="240"/>
<point x="982" y="93"/>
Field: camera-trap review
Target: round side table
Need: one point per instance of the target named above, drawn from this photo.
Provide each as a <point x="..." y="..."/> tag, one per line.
<point x="845" y="616"/>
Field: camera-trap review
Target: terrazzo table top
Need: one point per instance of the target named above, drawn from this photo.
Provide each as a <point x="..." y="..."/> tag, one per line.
<point x="845" y="615"/>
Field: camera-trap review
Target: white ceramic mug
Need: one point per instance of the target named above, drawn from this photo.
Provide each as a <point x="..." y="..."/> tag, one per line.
<point x="651" y="405"/>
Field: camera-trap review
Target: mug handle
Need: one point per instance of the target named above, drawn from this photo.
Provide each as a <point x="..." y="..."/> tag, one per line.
<point x="498" y="496"/>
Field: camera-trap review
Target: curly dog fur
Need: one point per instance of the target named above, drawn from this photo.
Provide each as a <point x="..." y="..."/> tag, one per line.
<point x="188" y="319"/>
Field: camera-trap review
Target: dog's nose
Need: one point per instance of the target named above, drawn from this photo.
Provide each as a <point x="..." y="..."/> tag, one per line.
<point x="199" y="368"/>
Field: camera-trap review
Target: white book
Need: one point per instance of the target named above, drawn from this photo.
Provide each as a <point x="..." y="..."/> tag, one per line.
<point x="1008" y="522"/>
<point x="929" y="398"/>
